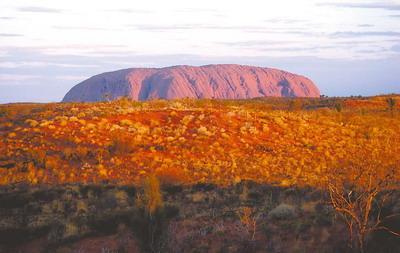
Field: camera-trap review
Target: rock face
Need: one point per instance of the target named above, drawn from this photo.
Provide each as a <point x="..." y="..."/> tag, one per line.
<point x="225" y="81"/>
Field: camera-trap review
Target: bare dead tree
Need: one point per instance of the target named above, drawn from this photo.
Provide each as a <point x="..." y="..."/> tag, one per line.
<point x="249" y="220"/>
<point x="361" y="207"/>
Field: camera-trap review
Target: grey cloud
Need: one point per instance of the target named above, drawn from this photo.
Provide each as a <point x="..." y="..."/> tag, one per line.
<point x="251" y="43"/>
<point x="285" y="21"/>
<point x="376" y="5"/>
<point x="365" y="25"/>
<point x="296" y="32"/>
<point x="210" y="27"/>
<point x="209" y="12"/>
<point x="354" y="42"/>
<point x="392" y="40"/>
<point x="32" y="61"/>
<point x="164" y="27"/>
<point x="202" y="10"/>
<point x="396" y="48"/>
<point x="83" y="28"/>
<point x="310" y="49"/>
<point x="38" y="9"/>
<point x="395" y="16"/>
<point x="186" y="27"/>
<point x="131" y="11"/>
<point x="19" y="64"/>
<point x="276" y="46"/>
<point x="347" y="34"/>
<point x="287" y="31"/>
<point x="10" y="35"/>
<point x="251" y="29"/>
<point x="181" y="27"/>
<point x="372" y="51"/>
<point x="7" y="18"/>
<point x="17" y="77"/>
<point x="80" y="48"/>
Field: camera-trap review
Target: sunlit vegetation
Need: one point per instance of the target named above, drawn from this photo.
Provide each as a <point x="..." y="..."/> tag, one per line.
<point x="276" y="141"/>
<point x="270" y="174"/>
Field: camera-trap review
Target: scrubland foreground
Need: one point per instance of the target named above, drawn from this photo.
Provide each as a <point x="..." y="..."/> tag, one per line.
<point x="260" y="175"/>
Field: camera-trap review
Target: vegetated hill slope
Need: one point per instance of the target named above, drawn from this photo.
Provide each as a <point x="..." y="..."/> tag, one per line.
<point x="250" y="175"/>
<point x="226" y="81"/>
<point x="193" y="140"/>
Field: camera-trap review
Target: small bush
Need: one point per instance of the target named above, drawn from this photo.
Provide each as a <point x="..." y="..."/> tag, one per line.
<point x="152" y="198"/>
<point x="121" y="144"/>
<point x="204" y="187"/>
<point x="3" y="112"/>
<point x="71" y="230"/>
<point x="122" y="198"/>
<point x="283" y="211"/>
<point x="338" y="106"/>
<point x="38" y="157"/>
<point x="172" y="189"/>
<point x="171" y="211"/>
<point x="82" y="152"/>
<point x="303" y="226"/>
<point x="152" y="222"/>
<point x="172" y="176"/>
<point x="391" y="102"/>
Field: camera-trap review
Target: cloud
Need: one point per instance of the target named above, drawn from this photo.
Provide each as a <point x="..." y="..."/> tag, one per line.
<point x="285" y="21"/>
<point x="7" y="18"/>
<point x="84" y="28"/>
<point x="10" y="35"/>
<point x="310" y="49"/>
<point x="254" y="28"/>
<point x="371" y="51"/>
<point x="11" y="64"/>
<point x="38" y="9"/>
<point x="71" y="78"/>
<point x="137" y="11"/>
<point x="23" y="54"/>
<point x="347" y="34"/>
<point x="396" y="48"/>
<point x="212" y="12"/>
<point x="354" y="42"/>
<point x="376" y="5"/>
<point x="395" y="16"/>
<point x="197" y="10"/>
<point x="147" y="27"/>
<point x="251" y="29"/>
<point x="165" y="28"/>
<point x="16" y="77"/>
<point x="251" y="43"/>
<point x="278" y="46"/>
<point x="365" y="25"/>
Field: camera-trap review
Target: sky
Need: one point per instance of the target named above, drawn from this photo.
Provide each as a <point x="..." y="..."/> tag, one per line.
<point x="349" y="47"/>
